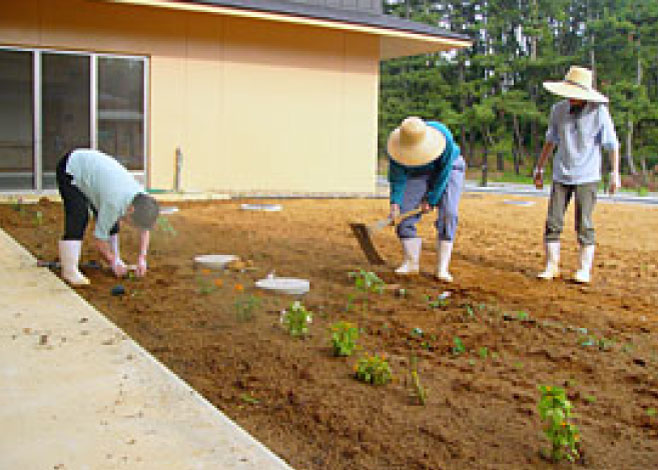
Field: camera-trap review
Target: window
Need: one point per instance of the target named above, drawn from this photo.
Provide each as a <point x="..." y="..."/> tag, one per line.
<point x="52" y="102"/>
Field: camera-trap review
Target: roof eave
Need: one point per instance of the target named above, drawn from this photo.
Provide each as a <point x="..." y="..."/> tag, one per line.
<point x="395" y="42"/>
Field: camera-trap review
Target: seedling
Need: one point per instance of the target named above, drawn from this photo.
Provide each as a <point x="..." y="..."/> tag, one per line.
<point x="204" y="285"/>
<point x="245" y="305"/>
<point x="247" y="398"/>
<point x="555" y="411"/>
<point x="440" y="301"/>
<point x="38" y="218"/>
<point x="469" y="311"/>
<point x="165" y="226"/>
<point x="419" y="391"/>
<point x="365" y="282"/>
<point x="17" y="204"/>
<point x="458" y="348"/>
<point x="483" y="352"/>
<point x="373" y="369"/>
<point x="591" y="399"/>
<point x="651" y="412"/>
<point x="344" y="336"/>
<point x="523" y="316"/>
<point x="296" y="319"/>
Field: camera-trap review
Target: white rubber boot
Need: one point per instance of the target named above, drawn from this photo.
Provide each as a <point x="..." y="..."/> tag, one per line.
<point x="444" y="249"/>
<point x="69" y="255"/>
<point x="116" y="251"/>
<point x="586" y="258"/>
<point x="552" y="261"/>
<point x="411" y="247"/>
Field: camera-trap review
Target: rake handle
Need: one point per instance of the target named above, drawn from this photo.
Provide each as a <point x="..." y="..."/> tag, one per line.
<point x="395" y="221"/>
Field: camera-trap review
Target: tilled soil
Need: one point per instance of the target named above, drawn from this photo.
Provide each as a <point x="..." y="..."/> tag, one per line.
<point x="600" y="341"/>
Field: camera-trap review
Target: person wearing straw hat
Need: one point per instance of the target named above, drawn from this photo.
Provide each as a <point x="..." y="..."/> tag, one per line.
<point x="426" y="170"/>
<point x="92" y="180"/>
<point x="580" y="127"/>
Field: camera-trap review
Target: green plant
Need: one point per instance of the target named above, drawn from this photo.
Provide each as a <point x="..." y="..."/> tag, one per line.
<point x="458" y="348"/>
<point x="247" y="398"/>
<point x="483" y="352"/>
<point x="523" y="316"/>
<point x="343" y="338"/>
<point x="365" y="282"/>
<point x="419" y="391"/>
<point x="651" y="412"/>
<point x="163" y="224"/>
<point x="373" y="369"/>
<point x="245" y="305"/>
<point x="555" y="410"/>
<point x="38" y="218"/>
<point x="205" y="286"/>
<point x="17" y="204"/>
<point x="440" y="301"/>
<point x="296" y="319"/>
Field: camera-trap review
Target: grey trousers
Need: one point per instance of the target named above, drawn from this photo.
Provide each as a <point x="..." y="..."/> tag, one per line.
<point x="448" y="206"/>
<point x="561" y="194"/>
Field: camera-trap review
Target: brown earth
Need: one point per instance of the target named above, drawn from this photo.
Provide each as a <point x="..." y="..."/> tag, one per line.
<point x="481" y="411"/>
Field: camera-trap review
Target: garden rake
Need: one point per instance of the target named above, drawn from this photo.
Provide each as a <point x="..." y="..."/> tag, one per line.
<point x="363" y="234"/>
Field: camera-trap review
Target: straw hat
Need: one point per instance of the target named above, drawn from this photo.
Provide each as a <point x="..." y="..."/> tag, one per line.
<point x="577" y="84"/>
<point x="415" y="143"/>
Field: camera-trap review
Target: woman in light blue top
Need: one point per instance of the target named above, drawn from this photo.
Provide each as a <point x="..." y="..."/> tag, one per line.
<point x="92" y="180"/>
<point x="580" y="127"/>
<point x="426" y="170"/>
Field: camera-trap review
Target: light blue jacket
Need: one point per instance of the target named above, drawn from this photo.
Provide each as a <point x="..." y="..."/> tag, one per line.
<point x="439" y="169"/>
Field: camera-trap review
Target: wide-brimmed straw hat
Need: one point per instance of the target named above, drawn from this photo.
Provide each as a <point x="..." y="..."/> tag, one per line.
<point x="414" y="143"/>
<point x="577" y="84"/>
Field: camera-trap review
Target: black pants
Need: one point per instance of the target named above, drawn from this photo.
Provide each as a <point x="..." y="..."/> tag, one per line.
<point x="76" y="205"/>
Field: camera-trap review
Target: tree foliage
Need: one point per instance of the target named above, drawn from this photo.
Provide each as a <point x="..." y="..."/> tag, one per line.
<point x="491" y="94"/>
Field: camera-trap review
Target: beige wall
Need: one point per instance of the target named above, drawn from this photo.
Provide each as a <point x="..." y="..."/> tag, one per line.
<point x="254" y="105"/>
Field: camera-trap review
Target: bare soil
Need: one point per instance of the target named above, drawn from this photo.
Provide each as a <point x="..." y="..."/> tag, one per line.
<point x="600" y="341"/>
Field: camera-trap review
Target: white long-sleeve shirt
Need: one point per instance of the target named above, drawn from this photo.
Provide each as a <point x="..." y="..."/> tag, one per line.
<point x="107" y="184"/>
<point x="579" y="140"/>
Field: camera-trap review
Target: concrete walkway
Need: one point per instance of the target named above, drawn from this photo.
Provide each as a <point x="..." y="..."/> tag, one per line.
<point x="77" y="393"/>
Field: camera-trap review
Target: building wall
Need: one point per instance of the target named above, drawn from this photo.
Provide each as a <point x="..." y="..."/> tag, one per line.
<point x="253" y="105"/>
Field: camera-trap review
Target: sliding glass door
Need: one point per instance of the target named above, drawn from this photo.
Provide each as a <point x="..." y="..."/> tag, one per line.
<point x="52" y="102"/>
<point x="16" y="120"/>
<point x="65" y="109"/>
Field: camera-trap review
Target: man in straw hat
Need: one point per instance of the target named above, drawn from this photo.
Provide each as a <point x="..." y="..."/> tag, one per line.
<point x="426" y="170"/>
<point x="92" y="180"/>
<point x="579" y="127"/>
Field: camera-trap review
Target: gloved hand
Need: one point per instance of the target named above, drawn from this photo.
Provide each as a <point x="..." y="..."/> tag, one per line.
<point x="119" y="267"/>
<point x="538" y="177"/>
<point x="141" y="266"/>
<point x="394" y="212"/>
<point x="615" y="182"/>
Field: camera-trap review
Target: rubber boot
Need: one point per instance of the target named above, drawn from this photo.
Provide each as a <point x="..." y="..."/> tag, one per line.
<point x="69" y="255"/>
<point x="444" y="253"/>
<point x="586" y="258"/>
<point x="116" y="251"/>
<point x="411" y="247"/>
<point x="552" y="261"/>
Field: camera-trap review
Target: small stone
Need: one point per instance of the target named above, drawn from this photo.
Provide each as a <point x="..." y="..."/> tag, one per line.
<point x="118" y="290"/>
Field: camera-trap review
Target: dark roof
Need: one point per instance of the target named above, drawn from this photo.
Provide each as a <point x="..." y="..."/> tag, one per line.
<point x="333" y="14"/>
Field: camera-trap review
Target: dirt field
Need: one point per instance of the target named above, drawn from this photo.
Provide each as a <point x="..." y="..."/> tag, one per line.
<point x="600" y="341"/>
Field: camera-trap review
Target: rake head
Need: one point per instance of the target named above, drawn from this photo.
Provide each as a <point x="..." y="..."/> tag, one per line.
<point x="362" y="235"/>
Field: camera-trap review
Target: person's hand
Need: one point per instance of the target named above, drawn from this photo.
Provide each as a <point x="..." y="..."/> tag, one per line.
<point x="141" y="266"/>
<point x="538" y="178"/>
<point x="395" y="212"/>
<point x="425" y="207"/>
<point x="615" y="182"/>
<point x="119" y="268"/>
